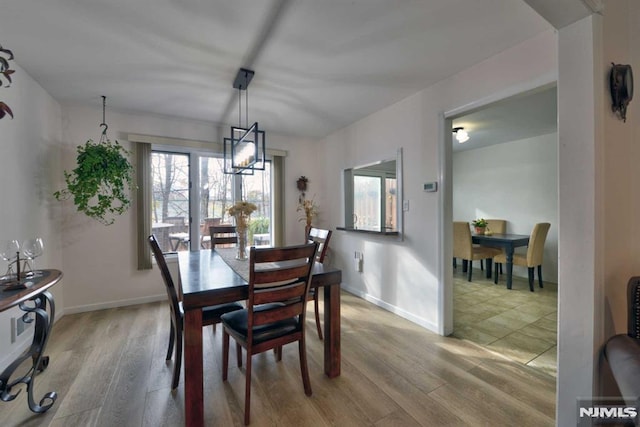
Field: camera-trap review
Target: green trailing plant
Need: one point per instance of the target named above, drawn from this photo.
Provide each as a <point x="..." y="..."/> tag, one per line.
<point x="101" y="183"/>
<point x="480" y="223"/>
<point x="5" y="78"/>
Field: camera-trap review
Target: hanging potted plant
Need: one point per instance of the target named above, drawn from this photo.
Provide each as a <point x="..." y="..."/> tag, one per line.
<point x="101" y="183"/>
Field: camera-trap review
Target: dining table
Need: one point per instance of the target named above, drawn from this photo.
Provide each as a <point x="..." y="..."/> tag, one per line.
<point x="508" y="242"/>
<point x="210" y="277"/>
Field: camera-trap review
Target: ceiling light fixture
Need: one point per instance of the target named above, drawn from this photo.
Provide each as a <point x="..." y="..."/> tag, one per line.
<point x="244" y="151"/>
<point x="461" y="134"/>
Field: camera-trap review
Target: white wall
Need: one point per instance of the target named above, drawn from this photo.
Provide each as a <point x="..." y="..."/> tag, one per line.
<point x="516" y="181"/>
<point x="28" y="161"/>
<point x="100" y="261"/>
<point x="406" y="276"/>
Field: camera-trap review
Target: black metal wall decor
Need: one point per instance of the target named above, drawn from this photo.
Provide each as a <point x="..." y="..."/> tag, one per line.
<point x="621" y="88"/>
<point x="245" y="150"/>
<point x="5" y="78"/>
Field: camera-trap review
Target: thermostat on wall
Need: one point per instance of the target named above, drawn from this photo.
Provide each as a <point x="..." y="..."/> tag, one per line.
<point x="430" y="186"/>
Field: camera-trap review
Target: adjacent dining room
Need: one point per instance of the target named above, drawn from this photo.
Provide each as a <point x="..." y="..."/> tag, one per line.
<point x="505" y="202"/>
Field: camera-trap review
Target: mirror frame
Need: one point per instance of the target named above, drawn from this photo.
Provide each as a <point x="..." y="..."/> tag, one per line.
<point x="348" y="199"/>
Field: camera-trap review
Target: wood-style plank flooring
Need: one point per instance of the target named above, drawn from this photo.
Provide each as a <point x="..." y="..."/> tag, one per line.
<point x="108" y="368"/>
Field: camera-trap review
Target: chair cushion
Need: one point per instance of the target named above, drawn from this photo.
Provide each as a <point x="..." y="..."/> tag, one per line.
<point x="237" y="321"/>
<point x="215" y="311"/>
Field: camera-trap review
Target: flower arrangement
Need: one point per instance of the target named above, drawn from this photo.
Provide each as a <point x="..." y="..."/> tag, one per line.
<point x="309" y="208"/>
<point x="242" y="211"/>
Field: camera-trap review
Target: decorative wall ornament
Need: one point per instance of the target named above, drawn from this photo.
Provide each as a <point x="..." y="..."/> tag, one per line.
<point x="621" y="87"/>
<point x="101" y="183"/>
<point x="5" y="78"/>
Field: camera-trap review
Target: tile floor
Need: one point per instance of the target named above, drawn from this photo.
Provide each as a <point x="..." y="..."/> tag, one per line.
<point x="517" y="323"/>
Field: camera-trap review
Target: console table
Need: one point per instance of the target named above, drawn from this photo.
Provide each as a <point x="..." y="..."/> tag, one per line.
<point x="31" y="295"/>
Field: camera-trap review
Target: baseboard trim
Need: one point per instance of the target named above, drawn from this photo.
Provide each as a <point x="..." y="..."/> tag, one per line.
<point x="392" y="308"/>
<point x="114" y="304"/>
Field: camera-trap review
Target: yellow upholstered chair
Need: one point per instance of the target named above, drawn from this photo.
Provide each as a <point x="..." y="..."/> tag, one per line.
<point x="496" y="226"/>
<point x="533" y="257"/>
<point x="465" y="250"/>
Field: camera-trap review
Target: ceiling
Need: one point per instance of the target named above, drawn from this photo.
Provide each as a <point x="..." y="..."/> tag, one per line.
<point x="523" y="116"/>
<point x="319" y="65"/>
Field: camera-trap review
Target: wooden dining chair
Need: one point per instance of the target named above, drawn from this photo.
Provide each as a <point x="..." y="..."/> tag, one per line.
<point x="205" y="233"/>
<point x="464" y="249"/>
<point x="534" y="256"/>
<point x="321" y="237"/>
<point x="210" y="315"/>
<point x="223" y="234"/>
<point x="279" y="281"/>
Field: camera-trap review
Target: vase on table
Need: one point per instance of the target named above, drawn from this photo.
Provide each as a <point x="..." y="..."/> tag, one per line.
<point x="307" y="228"/>
<point x="242" y="244"/>
<point x="480" y="230"/>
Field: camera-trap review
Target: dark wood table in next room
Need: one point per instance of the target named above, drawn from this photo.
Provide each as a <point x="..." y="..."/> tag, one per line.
<point x="507" y="241"/>
<point x="205" y="279"/>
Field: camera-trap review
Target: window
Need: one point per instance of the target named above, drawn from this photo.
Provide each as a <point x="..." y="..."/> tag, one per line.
<point x="173" y="202"/>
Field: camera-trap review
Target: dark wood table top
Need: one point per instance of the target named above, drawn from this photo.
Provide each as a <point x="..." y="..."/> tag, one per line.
<point x="508" y="239"/>
<point x="34" y="286"/>
<point x="206" y="279"/>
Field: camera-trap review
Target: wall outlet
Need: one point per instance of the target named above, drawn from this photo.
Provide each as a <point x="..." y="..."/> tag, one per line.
<point x="18" y="327"/>
<point x="358" y="259"/>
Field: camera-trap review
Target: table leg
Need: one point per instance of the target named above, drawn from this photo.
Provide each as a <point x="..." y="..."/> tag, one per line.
<point x="193" y="371"/>
<point x="332" y="331"/>
<point x="509" y="252"/>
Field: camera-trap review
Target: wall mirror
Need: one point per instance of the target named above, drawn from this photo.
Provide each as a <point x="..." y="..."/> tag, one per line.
<point x="373" y="197"/>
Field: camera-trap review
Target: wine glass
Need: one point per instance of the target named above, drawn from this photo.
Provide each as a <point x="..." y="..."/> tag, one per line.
<point x="32" y="248"/>
<point x="9" y="250"/>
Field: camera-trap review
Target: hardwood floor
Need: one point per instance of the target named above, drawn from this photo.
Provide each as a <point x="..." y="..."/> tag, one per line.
<point x="108" y="368"/>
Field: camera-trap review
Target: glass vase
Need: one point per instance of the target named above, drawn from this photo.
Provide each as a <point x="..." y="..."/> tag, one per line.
<point x="242" y="244"/>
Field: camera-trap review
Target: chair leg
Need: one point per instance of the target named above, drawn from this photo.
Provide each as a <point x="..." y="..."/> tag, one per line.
<point x="495" y="272"/>
<point x="315" y="307"/>
<point x="278" y="350"/>
<point x="225" y="354"/>
<point x="178" y="361"/>
<point x="247" y="389"/>
<point x="540" y="276"/>
<point x="304" y="369"/>
<point x="172" y="338"/>
<point x="239" y="354"/>
<point x="530" y="270"/>
<point x="481" y="265"/>
<point x="469" y="269"/>
<point x="455" y="263"/>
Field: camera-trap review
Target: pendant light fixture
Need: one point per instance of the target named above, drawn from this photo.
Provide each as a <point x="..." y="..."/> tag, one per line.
<point x="244" y="150"/>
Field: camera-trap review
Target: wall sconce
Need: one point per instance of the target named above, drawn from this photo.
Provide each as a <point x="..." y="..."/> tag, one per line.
<point x="461" y="134"/>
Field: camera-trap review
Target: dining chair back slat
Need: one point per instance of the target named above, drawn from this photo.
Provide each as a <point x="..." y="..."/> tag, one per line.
<point x="223" y="235"/>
